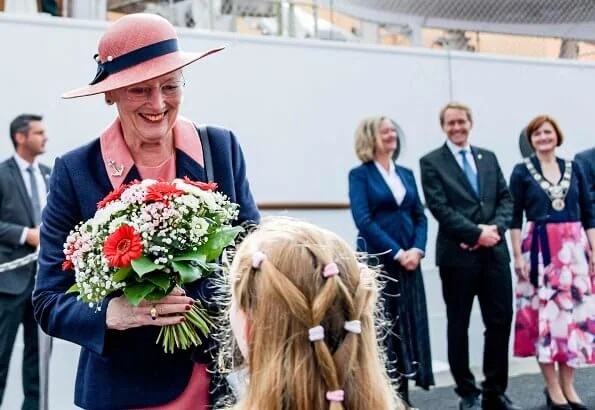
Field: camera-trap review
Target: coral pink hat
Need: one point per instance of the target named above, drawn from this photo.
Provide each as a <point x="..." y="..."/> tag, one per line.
<point x="136" y="48"/>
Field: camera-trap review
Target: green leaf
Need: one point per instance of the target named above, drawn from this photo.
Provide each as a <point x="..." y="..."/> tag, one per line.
<point x="188" y="273"/>
<point x="218" y="241"/>
<point x="122" y="273"/>
<point x="137" y="292"/>
<point x="144" y="265"/>
<point x="156" y="294"/>
<point x="159" y="279"/>
<point x="196" y="256"/>
<point x="74" y="289"/>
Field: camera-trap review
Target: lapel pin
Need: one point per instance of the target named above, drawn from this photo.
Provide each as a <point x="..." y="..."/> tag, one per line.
<point x="479" y="156"/>
<point x="117" y="170"/>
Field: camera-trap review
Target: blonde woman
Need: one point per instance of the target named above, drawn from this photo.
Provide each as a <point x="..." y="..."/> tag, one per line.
<point x="390" y="218"/>
<point x="302" y="315"/>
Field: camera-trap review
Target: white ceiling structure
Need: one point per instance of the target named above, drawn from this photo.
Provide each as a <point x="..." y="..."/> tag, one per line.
<point x="571" y="19"/>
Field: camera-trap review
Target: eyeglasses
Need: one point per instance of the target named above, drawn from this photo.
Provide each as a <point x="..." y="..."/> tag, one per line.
<point x="171" y="89"/>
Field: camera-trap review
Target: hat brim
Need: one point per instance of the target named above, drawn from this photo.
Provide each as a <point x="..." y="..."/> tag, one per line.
<point x="144" y="71"/>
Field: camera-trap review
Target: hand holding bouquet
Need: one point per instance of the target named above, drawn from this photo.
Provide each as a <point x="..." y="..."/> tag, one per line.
<point x="147" y="238"/>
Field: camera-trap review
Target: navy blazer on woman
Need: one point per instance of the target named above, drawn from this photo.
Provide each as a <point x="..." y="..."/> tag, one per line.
<point x="383" y="224"/>
<point x="112" y="361"/>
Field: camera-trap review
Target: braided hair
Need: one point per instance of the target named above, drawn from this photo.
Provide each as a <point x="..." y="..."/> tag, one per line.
<point x="310" y="317"/>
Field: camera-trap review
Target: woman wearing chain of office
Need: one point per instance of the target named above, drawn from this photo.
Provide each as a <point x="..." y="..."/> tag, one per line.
<point x="554" y="263"/>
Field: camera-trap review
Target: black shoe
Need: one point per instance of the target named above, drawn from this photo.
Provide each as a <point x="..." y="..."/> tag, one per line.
<point x="498" y="402"/>
<point x="577" y="406"/>
<point x="469" y="403"/>
<point x="554" y="406"/>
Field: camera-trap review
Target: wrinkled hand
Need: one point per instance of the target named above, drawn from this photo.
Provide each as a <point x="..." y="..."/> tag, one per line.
<point x="32" y="237"/>
<point x="122" y="315"/>
<point x="521" y="268"/>
<point x="410" y="259"/>
<point x="489" y="236"/>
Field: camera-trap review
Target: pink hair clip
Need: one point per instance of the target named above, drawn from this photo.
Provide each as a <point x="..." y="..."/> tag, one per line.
<point x="316" y="333"/>
<point x="330" y="269"/>
<point x="336" y="395"/>
<point x="257" y="258"/>
<point x="353" y="326"/>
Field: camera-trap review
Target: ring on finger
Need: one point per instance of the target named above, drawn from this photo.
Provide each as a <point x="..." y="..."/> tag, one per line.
<point x="153" y="312"/>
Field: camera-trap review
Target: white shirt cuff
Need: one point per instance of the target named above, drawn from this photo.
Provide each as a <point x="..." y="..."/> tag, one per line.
<point x="24" y="236"/>
<point x="398" y="255"/>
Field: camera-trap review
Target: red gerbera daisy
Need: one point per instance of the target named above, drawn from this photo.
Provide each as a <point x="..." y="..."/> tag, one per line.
<point x="158" y="191"/>
<point x="112" y="196"/>
<point x="122" y="246"/>
<point x="67" y="265"/>
<point x="211" y="186"/>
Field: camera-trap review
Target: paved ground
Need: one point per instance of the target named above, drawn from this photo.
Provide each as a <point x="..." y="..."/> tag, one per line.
<point x="526" y="390"/>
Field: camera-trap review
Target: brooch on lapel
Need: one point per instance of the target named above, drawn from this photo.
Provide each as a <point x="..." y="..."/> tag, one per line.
<point x="117" y="170"/>
<point x="479" y="156"/>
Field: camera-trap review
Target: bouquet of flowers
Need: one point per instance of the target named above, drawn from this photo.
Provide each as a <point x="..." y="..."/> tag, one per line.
<point x="148" y="237"/>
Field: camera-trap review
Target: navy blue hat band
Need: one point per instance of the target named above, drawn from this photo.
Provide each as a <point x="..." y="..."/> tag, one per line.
<point x="133" y="58"/>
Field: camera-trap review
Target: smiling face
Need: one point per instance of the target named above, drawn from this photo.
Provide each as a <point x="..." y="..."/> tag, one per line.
<point x="148" y="110"/>
<point x="544" y="139"/>
<point x="386" y="139"/>
<point x="457" y="125"/>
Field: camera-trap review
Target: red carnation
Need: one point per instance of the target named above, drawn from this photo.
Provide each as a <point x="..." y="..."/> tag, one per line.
<point x="112" y="196"/>
<point x="67" y="265"/>
<point x="122" y="246"/>
<point x="159" y="190"/>
<point x="211" y="186"/>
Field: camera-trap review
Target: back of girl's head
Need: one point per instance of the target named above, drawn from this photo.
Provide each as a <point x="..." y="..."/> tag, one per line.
<point x="296" y="282"/>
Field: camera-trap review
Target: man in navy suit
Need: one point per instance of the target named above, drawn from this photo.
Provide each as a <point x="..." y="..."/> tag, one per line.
<point x="586" y="160"/>
<point x="467" y="194"/>
<point x="22" y="195"/>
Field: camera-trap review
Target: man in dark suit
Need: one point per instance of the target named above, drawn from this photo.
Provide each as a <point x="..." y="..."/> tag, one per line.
<point x="586" y="161"/>
<point x="466" y="192"/>
<point x="23" y="190"/>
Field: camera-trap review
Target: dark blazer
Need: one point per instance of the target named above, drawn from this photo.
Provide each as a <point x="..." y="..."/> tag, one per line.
<point x="457" y="208"/>
<point x="15" y="215"/>
<point x="586" y="161"/>
<point x="383" y="224"/>
<point x="118" y="369"/>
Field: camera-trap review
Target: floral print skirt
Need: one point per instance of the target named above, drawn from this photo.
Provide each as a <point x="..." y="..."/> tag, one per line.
<point x="555" y="321"/>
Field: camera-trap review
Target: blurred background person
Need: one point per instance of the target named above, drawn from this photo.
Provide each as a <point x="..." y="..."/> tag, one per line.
<point x="586" y="159"/>
<point x="467" y="194"/>
<point x="390" y="218"/>
<point x="302" y="314"/>
<point x="23" y="192"/>
<point x="555" y="302"/>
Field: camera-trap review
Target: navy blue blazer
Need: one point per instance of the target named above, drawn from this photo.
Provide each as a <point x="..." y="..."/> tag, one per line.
<point x="118" y="369"/>
<point x="383" y="224"/>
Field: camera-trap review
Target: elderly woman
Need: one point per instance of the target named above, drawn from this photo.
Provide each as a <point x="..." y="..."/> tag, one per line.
<point x="554" y="263"/>
<point x="120" y="366"/>
<point x="390" y="218"/>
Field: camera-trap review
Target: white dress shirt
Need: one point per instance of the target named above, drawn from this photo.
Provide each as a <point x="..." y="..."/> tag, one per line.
<point x="41" y="184"/>
<point x="393" y="181"/>
<point x="455" y="149"/>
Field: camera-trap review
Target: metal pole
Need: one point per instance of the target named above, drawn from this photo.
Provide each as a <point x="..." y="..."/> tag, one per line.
<point x="291" y="19"/>
<point x="234" y="18"/>
<point x="315" y="15"/>
<point x="280" y="17"/>
<point x="211" y="15"/>
<point x="64" y="8"/>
